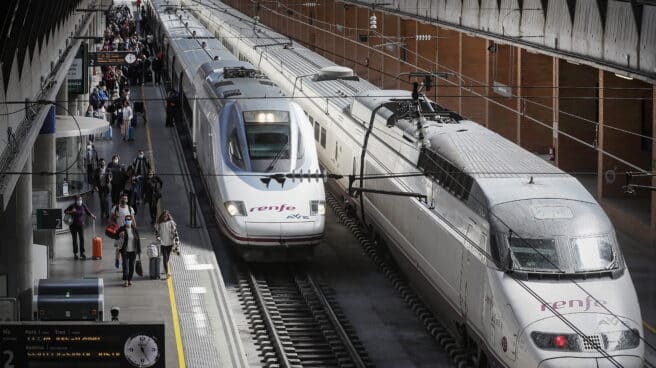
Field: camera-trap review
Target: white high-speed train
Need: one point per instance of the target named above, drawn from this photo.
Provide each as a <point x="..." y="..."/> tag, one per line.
<point x="243" y="132"/>
<point x="515" y="255"/>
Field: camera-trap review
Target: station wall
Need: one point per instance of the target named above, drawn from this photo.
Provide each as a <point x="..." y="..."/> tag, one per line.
<point x="590" y="122"/>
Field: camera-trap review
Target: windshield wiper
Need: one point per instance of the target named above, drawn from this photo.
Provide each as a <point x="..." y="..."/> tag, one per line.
<point x="277" y="156"/>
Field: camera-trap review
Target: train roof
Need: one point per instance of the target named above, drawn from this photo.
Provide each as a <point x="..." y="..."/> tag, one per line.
<point x="495" y="163"/>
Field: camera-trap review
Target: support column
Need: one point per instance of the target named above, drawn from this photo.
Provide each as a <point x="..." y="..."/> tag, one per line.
<point x="488" y="81"/>
<point x="653" y="161"/>
<point x="600" y="139"/>
<point x="518" y="108"/>
<point x="460" y="73"/>
<point x="16" y="248"/>
<point x="45" y="161"/>
<point x="555" y="82"/>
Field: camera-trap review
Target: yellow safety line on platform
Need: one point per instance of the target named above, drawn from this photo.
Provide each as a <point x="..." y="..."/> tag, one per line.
<point x="649" y="327"/>
<point x="169" y="282"/>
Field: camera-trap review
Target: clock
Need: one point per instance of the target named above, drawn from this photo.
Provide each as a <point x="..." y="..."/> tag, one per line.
<point x="130" y="58"/>
<point x="141" y="350"/>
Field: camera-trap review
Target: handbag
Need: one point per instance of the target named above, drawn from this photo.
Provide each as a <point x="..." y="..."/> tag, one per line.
<point x="138" y="268"/>
<point x="68" y="219"/>
<point x="112" y="230"/>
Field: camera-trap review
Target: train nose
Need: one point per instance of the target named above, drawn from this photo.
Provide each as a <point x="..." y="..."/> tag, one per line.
<point x="602" y="340"/>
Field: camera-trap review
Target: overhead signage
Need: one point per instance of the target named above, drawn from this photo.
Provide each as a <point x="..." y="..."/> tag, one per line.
<point x="48" y="218"/>
<point x="120" y="345"/>
<point x="109" y="58"/>
<point x="78" y="73"/>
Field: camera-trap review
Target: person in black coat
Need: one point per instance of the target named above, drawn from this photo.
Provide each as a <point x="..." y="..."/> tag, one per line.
<point x="130" y="248"/>
<point x="153" y="192"/>
<point x="102" y="179"/>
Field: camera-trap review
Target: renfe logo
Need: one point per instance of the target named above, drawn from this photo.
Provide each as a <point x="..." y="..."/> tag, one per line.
<point x="282" y="207"/>
<point x="574" y="303"/>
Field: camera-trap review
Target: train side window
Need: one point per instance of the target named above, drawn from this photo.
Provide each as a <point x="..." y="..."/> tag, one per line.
<point x="234" y="149"/>
<point x="323" y="137"/>
<point x="336" y="150"/>
<point x="311" y="120"/>
<point x="317" y="131"/>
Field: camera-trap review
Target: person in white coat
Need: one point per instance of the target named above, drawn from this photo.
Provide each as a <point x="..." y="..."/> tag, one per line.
<point x="167" y="233"/>
<point x="127" y="118"/>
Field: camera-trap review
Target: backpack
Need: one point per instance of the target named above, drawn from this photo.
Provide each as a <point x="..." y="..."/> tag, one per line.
<point x="95" y="100"/>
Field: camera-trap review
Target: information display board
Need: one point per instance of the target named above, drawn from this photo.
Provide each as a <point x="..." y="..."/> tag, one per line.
<point x="81" y="345"/>
<point x="78" y="73"/>
<point x="48" y="218"/>
<point x="101" y="58"/>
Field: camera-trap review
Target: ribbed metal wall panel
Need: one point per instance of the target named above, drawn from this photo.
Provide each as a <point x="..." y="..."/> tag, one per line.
<point x="621" y="36"/>
<point x="490" y="16"/>
<point x="509" y="17"/>
<point x="558" y="27"/>
<point x="532" y="22"/>
<point x="581" y="33"/>
<point x="453" y="11"/>
<point x="438" y="8"/>
<point x="424" y="8"/>
<point x="587" y="34"/>
<point x="648" y="40"/>
<point x="470" y="14"/>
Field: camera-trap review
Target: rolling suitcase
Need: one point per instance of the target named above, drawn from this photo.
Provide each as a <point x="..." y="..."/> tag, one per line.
<point x="153" y="268"/>
<point x="130" y="133"/>
<point x="96" y="252"/>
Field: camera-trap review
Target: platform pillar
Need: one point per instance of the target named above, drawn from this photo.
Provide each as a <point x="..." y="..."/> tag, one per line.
<point x="16" y="249"/>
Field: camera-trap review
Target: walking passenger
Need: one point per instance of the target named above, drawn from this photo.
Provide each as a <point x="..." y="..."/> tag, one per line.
<point x="78" y="211"/>
<point x="141" y="166"/>
<point x="118" y="214"/>
<point x="91" y="159"/>
<point x="103" y="185"/>
<point x="117" y="179"/>
<point x="130" y="248"/>
<point x="167" y="233"/>
<point x="127" y="118"/>
<point x="152" y="189"/>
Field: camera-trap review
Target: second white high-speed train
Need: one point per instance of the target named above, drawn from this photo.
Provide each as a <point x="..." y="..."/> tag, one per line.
<point x="244" y="133"/>
<point x="516" y="256"/>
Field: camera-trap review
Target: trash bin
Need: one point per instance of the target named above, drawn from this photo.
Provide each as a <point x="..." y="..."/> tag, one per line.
<point x="68" y="300"/>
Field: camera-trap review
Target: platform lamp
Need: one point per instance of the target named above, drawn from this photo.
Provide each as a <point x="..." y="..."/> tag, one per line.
<point x="328" y="73"/>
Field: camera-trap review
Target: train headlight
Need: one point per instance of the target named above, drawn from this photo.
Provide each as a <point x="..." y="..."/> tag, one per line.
<point x="621" y="340"/>
<point x="554" y="341"/>
<point x="235" y="208"/>
<point x="317" y="208"/>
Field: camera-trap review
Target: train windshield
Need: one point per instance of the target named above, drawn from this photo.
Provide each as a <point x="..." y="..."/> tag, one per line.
<point x="584" y="254"/>
<point x="592" y="253"/>
<point x="268" y="136"/>
<point x="535" y="254"/>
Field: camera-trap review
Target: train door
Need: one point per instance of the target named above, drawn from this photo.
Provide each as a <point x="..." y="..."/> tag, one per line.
<point x="473" y="269"/>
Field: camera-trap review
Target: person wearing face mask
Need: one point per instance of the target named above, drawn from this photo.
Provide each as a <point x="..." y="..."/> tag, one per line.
<point x="153" y="192"/>
<point x="141" y="165"/>
<point x="117" y="178"/>
<point x="78" y="211"/>
<point x="118" y="214"/>
<point x="130" y="248"/>
<point x="167" y="233"/>
<point x="91" y="159"/>
<point x="103" y="185"/>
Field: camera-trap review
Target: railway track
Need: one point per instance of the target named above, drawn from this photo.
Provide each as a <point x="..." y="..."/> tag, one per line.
<point x="461" y="355"/>
<point x="296" y="323"/>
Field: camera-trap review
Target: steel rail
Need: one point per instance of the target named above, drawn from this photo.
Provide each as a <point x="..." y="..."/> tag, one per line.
<point x="337" y="325"/>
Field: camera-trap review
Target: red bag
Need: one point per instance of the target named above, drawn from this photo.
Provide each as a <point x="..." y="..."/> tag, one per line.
<point x="112" y="230"/>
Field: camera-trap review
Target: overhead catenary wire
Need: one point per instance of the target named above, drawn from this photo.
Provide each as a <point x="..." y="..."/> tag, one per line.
<point x="611" y="359"/>
<point x="489" y="99"/>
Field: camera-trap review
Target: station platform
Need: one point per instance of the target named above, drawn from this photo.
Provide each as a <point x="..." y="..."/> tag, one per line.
<point x="192" y="303"/>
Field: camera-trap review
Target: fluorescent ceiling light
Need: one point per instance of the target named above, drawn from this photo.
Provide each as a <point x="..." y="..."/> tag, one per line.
<point x="623" y="76"/>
